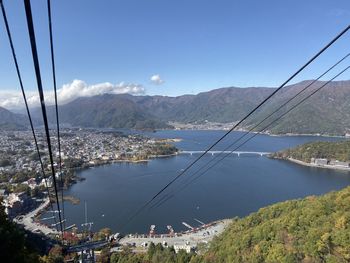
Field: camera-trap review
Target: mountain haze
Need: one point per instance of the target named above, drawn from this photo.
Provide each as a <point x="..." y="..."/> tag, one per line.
<point x="12" y="121"/>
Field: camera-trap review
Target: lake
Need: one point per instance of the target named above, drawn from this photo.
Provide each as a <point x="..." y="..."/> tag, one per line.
<point x="237" y="186"/>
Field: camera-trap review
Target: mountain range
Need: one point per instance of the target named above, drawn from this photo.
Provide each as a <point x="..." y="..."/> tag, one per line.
<point x="327" y="112"/>
<point x="12" y="121"/>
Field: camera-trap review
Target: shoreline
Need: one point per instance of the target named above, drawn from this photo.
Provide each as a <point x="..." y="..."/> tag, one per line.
<point x="28" y="221"/>
<point x="263" y="133"/>
<point x="150" y="158"/>
<point x="75" y="200"/>
<point x="202" y="234"/>
<point x="315" y="165"/>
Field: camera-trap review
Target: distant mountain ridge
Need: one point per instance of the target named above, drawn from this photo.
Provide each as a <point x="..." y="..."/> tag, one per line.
<point x="220" y="105"/>
<point x="327" y="112"/>
<point x="108" y="111"/>
<point x="12" y="121"/>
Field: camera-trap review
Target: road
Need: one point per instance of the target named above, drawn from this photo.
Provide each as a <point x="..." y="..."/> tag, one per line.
<point x="27" y="221"/>
<point x="86" y="246"/>
<point x="191" y="238"/>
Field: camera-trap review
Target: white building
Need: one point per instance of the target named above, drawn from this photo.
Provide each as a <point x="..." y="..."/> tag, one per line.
<point x="187" y="248"/>
<point x="321" y="161"/>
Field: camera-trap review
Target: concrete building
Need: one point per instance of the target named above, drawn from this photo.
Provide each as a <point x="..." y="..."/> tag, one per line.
<point x="339" y="163"/>
<point x="187" y="248"/>
<point x="17" y="203"/>
<point x="320" y="161"/>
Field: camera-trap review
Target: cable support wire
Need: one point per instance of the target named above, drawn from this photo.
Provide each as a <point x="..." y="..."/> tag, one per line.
<point x="25" y="101"/>
<point x="239" y="122"/>
<point x="56" y="107"/>
<point x="258" y="124"/>
<point x="171" y="195"/>
<point x="31" y="32"/>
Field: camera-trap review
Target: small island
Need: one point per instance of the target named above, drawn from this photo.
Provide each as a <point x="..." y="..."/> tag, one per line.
<point x="332" y="155"/>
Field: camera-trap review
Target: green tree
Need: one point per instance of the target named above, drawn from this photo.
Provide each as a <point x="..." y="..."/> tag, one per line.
<point x="55" y="255"/>
<point x="13" y="246"/>
<point x="151" y="250"/>
<point x="104" y="256"/>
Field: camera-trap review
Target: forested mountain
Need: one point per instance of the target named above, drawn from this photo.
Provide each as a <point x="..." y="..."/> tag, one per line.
<point x="127" y="111"/>
<point x="314" y="229"/>
<point x="107" y="111"/>
<point x="220" y="105"/>
<point x="329" y="150"/>
<point x="327" y="112"/>
<point x="12" y="121"/>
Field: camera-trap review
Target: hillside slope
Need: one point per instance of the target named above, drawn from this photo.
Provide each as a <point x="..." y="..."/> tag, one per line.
<point x="329" y="150"/>
<point x="309" y="230"/>
<point x="12" y="121"/>
<point x="326" y="112"/>
<point x="219" y="105"/>
<point x="107" y="111"/>
<point x="314" y="229"/>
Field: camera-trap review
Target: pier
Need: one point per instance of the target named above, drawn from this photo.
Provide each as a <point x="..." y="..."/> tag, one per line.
<point x="186" y="239"/>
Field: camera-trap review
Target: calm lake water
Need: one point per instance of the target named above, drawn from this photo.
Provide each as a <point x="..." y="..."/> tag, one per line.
<point x="237" y="186"/>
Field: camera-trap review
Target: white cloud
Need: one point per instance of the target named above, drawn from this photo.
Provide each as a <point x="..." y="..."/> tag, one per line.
<point x="69" y="92"/>
<point x="156" y="79"/>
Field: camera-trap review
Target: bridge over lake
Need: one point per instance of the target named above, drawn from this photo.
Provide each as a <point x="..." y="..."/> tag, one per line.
<point x="238" y="153"/>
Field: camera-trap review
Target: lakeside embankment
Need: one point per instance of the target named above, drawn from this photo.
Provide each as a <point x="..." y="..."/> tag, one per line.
<point x="29" y="223"/>
<point x="150" y="157"/>
<point x="212" y="126"/>
<point x="108" y="162"/>
<point x="306" y="134"/>
<point x="184" y="240"/>
<point x="326" y="166"/>
<point x="329" y="155"/>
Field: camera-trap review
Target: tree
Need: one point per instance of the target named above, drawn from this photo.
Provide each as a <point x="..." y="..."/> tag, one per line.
<point x="103" y="234"/>
<point x="13" y="246"/>
<point x="55" y="255"/>
<point x="104" y="256"/>
<point x="183" y="257"/>
<point x="115" y="258"/>
<point x="151" y="250"/>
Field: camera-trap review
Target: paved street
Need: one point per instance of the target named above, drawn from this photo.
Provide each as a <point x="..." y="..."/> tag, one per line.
<point x="29" y="224"/>
<point x="191" y="239"/>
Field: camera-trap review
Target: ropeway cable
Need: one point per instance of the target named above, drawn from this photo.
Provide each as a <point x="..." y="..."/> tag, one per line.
<point x="56" y="106"/>
<point x="171" y="195"/>
<point x="25" y="101"/>
<point x="243" y="119"/>
<point x="31" y="32"/>
<point x="257" y="125"/>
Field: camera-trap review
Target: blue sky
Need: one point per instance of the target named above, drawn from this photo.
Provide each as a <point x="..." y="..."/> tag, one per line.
<point x="193" y="45"/>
